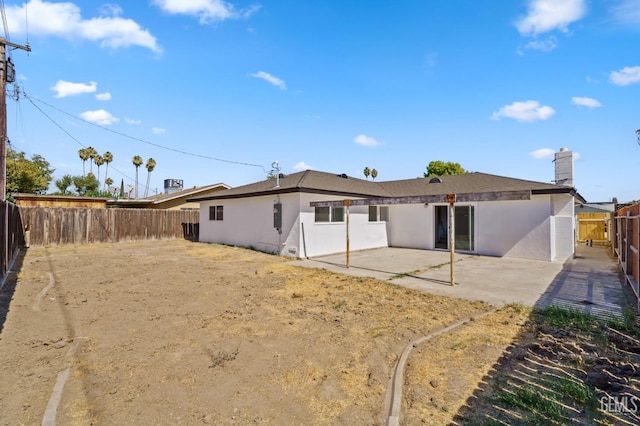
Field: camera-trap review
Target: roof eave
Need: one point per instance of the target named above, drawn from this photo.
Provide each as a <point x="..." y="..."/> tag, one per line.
<point x="282" y="191"/>
<point x="561" y="190"/>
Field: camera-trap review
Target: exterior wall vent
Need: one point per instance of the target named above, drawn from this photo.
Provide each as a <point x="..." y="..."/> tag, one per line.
<point x="435" y="180"/>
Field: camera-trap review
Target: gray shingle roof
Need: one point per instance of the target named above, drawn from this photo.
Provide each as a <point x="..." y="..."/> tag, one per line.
<point x="466" y="183"/>
<point x="311" y="181"/>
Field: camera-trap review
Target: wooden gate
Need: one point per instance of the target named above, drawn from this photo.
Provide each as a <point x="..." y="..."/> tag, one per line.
<point x="595" y="227"/>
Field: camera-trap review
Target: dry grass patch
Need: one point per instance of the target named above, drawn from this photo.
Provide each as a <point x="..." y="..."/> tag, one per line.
<point x="189" y="333"/>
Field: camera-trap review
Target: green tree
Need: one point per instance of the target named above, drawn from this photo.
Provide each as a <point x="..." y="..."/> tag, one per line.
<point x="121" y="195"/>
<point x="137" y="162"/>
<point x="85" y="185"/>
<point x="441" y="168"/>
<point x="374" y="174"/>
<point x="366" y="172"/>
<point x="151" y="164"/>
<point x="63" y="185"/>
<point x="27" y="176"/>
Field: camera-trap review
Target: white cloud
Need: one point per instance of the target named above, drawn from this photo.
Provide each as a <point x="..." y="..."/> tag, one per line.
<point x="524" y="111"/>
<point x="626" y="76"/>
<point x="547" y="15"/>
<point x="302" y="166"/>
<point x="542" y="153"/>
<point x="63" y="19"/>
<point x="626" y="12"/>
<point x="543" y="45"/>
<point x="106" y="96"/>
<point x="110" y="9"/>
<point x="66" y="88"/>
<point x="586" y="102"/>
<point x="99" y="116"/>
<point x="367" y="141"/>
<point x="271" y="79"/>
<point x="132" y="121"/>
<point x="158" y="131"/>
<point x="206" y="10"/>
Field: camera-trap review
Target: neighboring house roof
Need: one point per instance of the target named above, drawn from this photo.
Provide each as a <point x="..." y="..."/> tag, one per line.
<point x="311" y="181"/>
<point x="160" y="199"/>
<point x="606" y="207"/>
<point x="190" y="192"/>
<point x="47" y="200"/>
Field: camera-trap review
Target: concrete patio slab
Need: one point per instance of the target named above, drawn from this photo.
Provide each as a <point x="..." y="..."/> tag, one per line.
<point x="588" y="282"/>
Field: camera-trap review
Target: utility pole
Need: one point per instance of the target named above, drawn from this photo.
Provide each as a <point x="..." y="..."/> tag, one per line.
<point x="4" y="73"/>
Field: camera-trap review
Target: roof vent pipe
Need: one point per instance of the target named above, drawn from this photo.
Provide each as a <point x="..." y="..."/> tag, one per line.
<point x="275" y="170"/>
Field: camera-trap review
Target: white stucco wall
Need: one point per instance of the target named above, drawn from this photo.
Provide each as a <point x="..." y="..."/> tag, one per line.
<point x="564" y="224"/>
<point x="330" y="237"/>
<point x="542" y="228"/>
<point x="411" y="226"/>
<point x="519" y="229"/>
<point x="248" y="222"/>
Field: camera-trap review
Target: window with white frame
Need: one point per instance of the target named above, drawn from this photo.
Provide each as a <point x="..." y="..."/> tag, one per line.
<point x="378" y="213"/>
<point x="329" y="214"/>
<point x="216" y="212"/>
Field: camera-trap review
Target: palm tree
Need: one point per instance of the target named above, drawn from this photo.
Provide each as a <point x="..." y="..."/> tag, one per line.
<point x="108" y="158"/>
<point x="107" y="183"/>
<point x="367" y="172"/>
<point x="151" y="164"/>
<point x="99" y="162"/>
<point x="137" y="161"/>
<point x="84" y="156"/>
<point x="374" y="174"/>
<point x="91" y="152"/>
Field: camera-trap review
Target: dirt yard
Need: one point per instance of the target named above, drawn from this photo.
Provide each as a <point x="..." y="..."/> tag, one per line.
<point x="174" y="332"/>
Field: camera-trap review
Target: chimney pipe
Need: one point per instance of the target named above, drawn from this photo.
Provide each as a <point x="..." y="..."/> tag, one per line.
<point x="564" y="167"/>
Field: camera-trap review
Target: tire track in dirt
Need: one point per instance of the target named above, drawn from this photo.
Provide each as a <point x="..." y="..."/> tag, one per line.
<point x="43" y="293"/>
<point x="50" y="413"/>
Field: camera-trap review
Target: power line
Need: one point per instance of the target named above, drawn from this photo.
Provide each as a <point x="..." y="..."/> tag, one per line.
<point x="241" y="163"/>
<point x="69" y="134"/>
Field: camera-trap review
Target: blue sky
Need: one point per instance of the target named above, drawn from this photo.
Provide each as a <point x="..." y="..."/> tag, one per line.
<point x="496" y="86"/>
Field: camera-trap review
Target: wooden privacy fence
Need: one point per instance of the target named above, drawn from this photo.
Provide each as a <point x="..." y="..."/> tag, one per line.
<point x="10" y="234"/>
<point x="627" y="244"/>
<point x="61" y="225"/>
